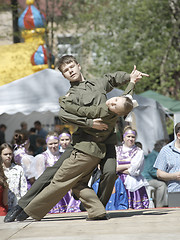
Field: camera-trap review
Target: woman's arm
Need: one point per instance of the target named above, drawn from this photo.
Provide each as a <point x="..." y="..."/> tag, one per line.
<point x="28" y="167"/>
<point x="137" y="163"/>
<point x="22" y="183"/>
<point x="122" y="167"/>
<point x="39" y="165"/>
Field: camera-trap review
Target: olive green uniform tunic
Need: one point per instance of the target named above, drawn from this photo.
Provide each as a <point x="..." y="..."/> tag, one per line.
<point x="76" y="170"/>
<point x="99" y="138"/>
<point x="87" y="94"/>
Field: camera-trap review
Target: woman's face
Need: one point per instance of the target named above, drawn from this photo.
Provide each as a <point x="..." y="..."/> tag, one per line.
<point x="64" y="141"/>
<point x="7" y="156"/>
<point x="129" y="139"/>
<point x="53" y="144"/>
<point x="116" y="104"/>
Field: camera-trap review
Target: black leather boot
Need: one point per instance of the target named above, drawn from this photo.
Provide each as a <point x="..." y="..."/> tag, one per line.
<point x="22" y="216"/>
<point x="12" y="214"/>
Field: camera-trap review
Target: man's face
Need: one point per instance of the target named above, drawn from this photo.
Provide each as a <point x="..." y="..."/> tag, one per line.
<point x="178" y="135"/>
<point x="116" y="104"/>
<point x="36" y="126"/>
<point x="72" y="72"/>
<point x="3" y="129"/>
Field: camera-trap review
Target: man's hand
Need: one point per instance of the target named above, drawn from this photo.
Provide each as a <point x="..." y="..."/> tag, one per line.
<point x="177" y="176"/>
<point x="99" y="125"/>
<point x="136" y="75"/>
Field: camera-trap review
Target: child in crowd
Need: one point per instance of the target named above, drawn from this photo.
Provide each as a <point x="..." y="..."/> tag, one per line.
<point x="15" y="175"/>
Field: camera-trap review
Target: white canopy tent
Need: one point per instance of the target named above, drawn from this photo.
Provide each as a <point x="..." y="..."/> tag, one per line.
<point x="35" y="97"/>
<point x="37" y="92"/>
<point x="32" y="98"/>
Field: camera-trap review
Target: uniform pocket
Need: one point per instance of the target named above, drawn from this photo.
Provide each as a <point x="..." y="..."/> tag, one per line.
<point x="88" y="99"/>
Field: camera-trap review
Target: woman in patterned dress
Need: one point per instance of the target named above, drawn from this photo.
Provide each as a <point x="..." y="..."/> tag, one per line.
<point x="15" y="176"/>
<point x="130" y="161"/>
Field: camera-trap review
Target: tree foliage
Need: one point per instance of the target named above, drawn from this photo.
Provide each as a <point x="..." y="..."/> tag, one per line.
<point x="117" y="34"/>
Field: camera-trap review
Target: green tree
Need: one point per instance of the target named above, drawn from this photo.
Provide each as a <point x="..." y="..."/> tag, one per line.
<point x="120" y="33"/>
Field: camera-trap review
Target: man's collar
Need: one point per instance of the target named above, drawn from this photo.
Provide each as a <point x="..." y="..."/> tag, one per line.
<point x="172" y="146"/>
<point x="81" y="84"/>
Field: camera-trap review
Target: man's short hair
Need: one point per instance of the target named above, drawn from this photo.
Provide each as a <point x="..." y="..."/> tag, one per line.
<point x="177" y="128"/>
<point x="66" y="59"/>
<point x="3" y="126"/>
<point x="37" y="123"/>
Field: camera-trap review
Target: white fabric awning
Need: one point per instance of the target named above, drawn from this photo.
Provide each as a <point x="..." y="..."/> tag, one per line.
<point x="38" y="92"/>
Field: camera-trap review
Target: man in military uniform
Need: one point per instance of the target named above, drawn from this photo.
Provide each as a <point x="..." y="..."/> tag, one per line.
<point x="74" y="172"/>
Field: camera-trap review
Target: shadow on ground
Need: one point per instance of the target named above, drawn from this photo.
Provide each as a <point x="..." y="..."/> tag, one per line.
<point x="129" y="213"/>
<point x="112" y="214"/>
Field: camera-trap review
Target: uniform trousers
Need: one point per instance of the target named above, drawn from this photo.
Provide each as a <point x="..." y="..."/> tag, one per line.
<point x="74" y="174"/>
<point x="108" y="177"/>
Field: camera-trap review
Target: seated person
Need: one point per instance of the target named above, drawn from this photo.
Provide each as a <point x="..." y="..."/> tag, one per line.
<point x="168" y="163"/>
<point x="15" y="176"/>
<point x="150" y="174"/>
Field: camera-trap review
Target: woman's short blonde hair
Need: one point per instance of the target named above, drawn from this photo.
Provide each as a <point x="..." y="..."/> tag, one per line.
<point x="128" y="106"/>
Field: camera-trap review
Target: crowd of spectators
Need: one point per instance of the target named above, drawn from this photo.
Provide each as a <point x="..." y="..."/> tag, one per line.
<point x="140" y="177"/>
